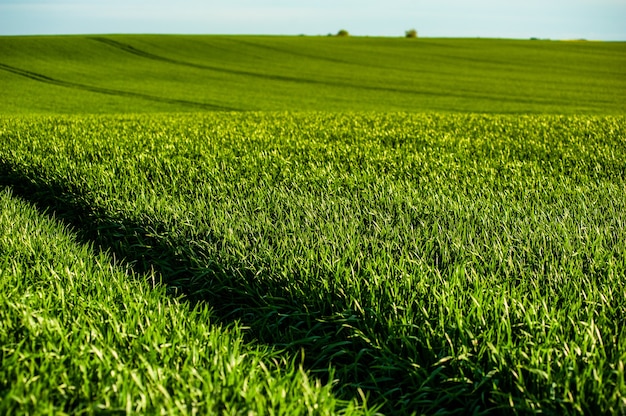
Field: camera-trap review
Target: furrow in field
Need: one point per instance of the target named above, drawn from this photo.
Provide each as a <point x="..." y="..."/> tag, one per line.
<point x="110" y="91"/>
<point x="416" y="90"/>
<point x="273" y="77"/>
<point x="233" y="298"/>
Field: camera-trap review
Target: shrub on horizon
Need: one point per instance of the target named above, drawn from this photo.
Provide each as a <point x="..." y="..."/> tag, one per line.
<point x="412" y="33"/>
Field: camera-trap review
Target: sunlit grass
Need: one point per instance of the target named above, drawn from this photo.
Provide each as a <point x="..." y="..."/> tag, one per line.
<point x="82" y="334"/>
<point x="433" y="262"/>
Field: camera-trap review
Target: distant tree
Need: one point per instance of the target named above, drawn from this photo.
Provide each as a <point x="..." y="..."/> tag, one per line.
<point x="343" y="33"/>
<point x="411" y="33"/>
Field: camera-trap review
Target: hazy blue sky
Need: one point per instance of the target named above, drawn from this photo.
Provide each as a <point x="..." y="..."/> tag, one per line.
<point x="555" y="19"/>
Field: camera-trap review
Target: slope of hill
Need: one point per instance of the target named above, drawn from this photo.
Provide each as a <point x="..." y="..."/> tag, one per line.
<point x="158" y="73"/>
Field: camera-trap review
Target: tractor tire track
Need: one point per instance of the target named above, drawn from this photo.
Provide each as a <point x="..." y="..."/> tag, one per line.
<point x="463" y="95"/>
<point x="273" y="77"/>
<point x="110" y="91"/>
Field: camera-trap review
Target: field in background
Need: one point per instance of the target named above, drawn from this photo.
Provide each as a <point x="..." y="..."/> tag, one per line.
<point x="195" y="259"/>
<point x="112" y="74"/>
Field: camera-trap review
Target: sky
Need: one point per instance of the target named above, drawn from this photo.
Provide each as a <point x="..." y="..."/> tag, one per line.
<point x="522" y="19"/>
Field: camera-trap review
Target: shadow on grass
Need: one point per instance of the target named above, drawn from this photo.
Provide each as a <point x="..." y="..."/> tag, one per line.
<point x="415" y="90"/>
<point x="110" y="91"/>
<point x="332" y="341"/>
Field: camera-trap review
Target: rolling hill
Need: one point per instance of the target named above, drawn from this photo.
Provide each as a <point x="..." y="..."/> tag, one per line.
<point x="165" y="73"/>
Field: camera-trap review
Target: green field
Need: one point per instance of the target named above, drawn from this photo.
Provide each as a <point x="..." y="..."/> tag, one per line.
<point x="400" y="226"/>
<point x="112" y="74"/>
